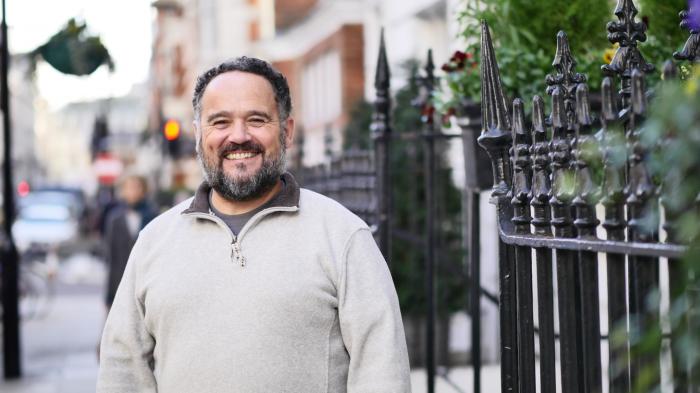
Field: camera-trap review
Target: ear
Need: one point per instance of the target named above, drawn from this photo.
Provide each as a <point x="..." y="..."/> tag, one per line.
<point x="196" y="129"/>
<point x="289" y="137"/>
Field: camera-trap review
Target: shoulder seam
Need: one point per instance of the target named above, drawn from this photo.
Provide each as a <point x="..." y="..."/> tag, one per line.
<point x="346" y="249"/>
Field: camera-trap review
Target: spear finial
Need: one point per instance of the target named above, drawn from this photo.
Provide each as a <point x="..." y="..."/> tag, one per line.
<point x="495" y="134"/>
<point x="494" y="112"/>
<point x="565" y="64"/>
<point x="382" y="76"/>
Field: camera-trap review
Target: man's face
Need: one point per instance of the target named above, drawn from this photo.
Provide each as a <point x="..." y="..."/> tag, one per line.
<point x="241" y="145"/>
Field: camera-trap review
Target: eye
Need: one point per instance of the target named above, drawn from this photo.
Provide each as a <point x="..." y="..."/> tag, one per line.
<point x="220" y="124"/>
<point x="256" y="122"/>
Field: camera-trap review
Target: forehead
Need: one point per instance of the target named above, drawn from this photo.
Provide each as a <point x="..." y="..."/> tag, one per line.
<point x="237" y="90"/>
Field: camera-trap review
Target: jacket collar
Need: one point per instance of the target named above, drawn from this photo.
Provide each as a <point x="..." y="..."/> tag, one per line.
<point x="288" y="197"/>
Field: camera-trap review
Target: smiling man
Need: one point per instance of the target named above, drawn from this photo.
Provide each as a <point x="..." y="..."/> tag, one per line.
<point x="254" y="284"/>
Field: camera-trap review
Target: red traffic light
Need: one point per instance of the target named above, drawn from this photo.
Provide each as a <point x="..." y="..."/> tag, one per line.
<point x="171" y="130"/>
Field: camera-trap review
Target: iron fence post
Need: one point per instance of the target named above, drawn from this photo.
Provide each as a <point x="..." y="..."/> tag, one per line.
<point x="522" y="178"/>
<point x="613" y="201"/>
<point x="381" y="135"/>
<point x="496" y="140"/>
<point x="429" y="133"/>
<point x="539" y="200"/>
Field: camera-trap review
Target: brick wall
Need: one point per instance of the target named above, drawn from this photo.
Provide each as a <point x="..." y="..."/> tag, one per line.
<point x="289" y="12"/>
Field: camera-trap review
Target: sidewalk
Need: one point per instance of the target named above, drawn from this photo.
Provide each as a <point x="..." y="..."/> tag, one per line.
<point x="59" y="349"/>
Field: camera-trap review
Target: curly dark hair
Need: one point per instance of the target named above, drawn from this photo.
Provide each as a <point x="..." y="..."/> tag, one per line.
<point x="253" y="66"/>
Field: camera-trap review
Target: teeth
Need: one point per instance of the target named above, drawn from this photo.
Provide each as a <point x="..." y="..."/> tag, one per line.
<point x="239" y="156"/>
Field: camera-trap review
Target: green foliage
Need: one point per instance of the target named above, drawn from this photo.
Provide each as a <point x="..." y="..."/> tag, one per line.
<point x="524" y="34"/>
<point x="356" y="134"/>
<point x="671" y="135"/>
<point x="72" y="51"/>
<point x="663" y="22"/>
<point x="525" y="43"/>
<point x="664" y="34"/>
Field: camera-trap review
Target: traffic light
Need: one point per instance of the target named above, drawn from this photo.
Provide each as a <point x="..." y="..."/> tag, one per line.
<point x="171" y="135"/>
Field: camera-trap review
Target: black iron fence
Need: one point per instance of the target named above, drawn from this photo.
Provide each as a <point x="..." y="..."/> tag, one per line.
<point x="567" y="204"/>
<point x="551" y="175"/>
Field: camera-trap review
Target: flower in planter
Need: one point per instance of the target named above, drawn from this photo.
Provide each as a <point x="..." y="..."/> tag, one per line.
<point x="461" y="81"/>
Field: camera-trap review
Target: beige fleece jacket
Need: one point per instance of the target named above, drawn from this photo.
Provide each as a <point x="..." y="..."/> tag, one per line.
<point x="301" y="301"/>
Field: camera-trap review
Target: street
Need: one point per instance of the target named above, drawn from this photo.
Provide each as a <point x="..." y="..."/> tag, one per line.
<point x="59" y="348"/>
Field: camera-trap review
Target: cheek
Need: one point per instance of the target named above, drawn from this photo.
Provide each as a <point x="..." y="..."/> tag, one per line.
<point x="211" y="142"/>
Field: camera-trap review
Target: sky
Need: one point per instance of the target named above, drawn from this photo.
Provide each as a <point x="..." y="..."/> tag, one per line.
<point x="123" y="25"/>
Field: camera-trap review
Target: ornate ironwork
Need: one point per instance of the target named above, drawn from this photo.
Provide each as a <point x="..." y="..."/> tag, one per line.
<point x="691" y="49"/>
<point x="642" y="227"/>
<point x="522" y="177"/>
<point x="587" y="195"/>
<point x="587" y="191"/>
<point x="496" y="140"/>
<point x="495" y="136"/>
<point x="522" y="174"/>
<point x="539" y="200"/>
<point x="427" y="86"/>
<point x="614" y="154"/>
<point x="640" y="188"/>
<point x="381" y="134"/>
<point x="566" y="78"/>
<point x="541" y="186"/>
<point x="627" y="33"/>
<point x="560" y="155"/>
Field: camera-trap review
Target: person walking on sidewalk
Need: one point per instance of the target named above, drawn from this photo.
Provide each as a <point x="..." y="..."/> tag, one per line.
<point x="122" y="226"/>
<point x="254" y="284"/>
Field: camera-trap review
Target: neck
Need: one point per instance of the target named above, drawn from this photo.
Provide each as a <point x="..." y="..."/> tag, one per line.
<point x="230" y="207"/>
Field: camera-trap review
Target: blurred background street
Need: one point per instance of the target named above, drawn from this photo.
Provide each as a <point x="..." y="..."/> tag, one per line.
<point x="59" y="342"/>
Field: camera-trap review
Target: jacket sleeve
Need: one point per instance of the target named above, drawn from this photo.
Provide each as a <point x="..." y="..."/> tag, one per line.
<point x="126" y="349"/>
<point x="370" y="320"/>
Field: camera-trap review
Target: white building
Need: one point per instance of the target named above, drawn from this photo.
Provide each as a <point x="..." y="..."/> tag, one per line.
<point x="64" y="137"/>
<point x="22" y="98"/>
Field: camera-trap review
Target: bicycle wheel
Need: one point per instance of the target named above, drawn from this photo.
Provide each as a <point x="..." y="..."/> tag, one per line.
<point x="33" y="295"/>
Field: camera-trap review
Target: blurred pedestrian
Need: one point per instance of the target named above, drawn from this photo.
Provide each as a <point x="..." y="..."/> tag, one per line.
<point x="253" y="285"/>
<point x="122" y="225"/>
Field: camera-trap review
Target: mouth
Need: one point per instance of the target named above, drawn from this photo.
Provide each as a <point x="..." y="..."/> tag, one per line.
<point x="240" y="155"/>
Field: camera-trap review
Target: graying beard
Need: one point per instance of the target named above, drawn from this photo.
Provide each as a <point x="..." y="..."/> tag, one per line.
<point x="244" y="190"/>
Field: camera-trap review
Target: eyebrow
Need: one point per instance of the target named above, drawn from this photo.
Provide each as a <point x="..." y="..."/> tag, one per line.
<point x="225" y="113"/>
<point x="217" y="115"/>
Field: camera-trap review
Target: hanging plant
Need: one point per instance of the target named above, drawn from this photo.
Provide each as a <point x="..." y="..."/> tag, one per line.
<point x="72" y="51"/>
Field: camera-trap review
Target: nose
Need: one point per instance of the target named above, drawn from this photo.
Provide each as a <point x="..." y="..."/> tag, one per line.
<point x="238" y="132"/>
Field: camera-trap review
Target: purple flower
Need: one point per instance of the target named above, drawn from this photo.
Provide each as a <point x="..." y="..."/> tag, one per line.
<point x="694" y="14"/>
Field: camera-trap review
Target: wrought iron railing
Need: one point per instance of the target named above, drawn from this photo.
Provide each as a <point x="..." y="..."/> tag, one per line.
<point x="548" y="184"/>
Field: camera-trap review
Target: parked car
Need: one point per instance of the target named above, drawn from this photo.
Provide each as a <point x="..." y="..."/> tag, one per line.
<point x="46" y="220"/>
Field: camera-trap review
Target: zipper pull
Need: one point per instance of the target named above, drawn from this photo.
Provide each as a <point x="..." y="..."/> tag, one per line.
<point x="236" y="255"/>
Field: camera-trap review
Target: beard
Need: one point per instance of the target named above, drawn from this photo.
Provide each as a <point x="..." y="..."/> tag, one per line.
<point x="242" y="188"/>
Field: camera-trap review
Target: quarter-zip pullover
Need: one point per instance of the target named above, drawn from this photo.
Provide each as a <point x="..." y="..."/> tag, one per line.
<point x="300" y="300"/>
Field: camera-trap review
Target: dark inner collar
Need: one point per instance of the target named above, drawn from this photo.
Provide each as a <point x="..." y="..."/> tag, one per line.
<point x="287" y="197"/>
